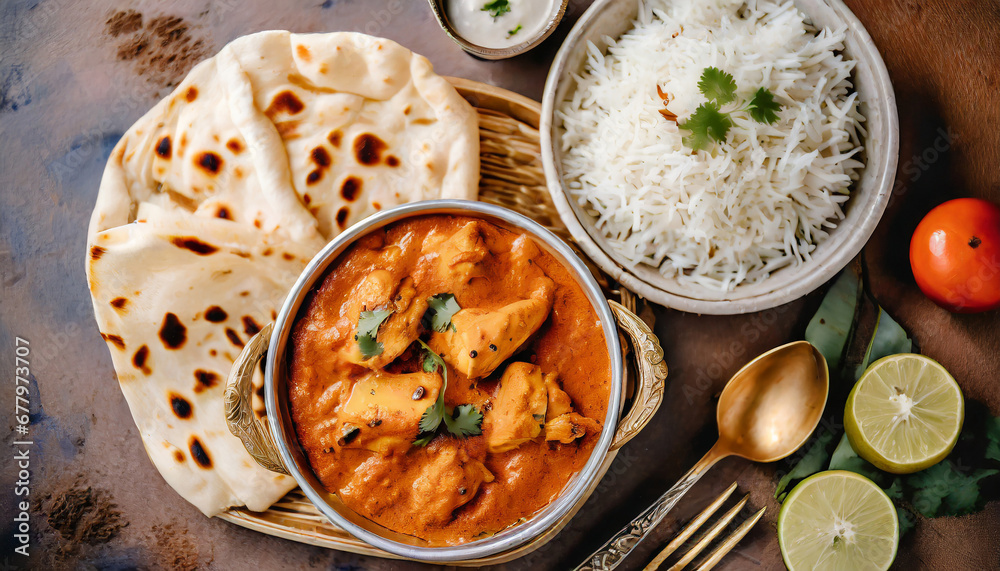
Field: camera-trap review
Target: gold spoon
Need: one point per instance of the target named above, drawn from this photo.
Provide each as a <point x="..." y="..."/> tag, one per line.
<point x="767" y="411"/>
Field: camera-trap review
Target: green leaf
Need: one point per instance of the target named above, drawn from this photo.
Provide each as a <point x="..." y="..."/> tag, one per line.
<point x="706" y="124"/>
<point x="368" y="324"/>
<point x="465" y="421"/>
<point x="944" y="490"/>
<point x="442" y="307"/>
<point x="834" y="321"/>
<point x="432" y="361"/>
<point x="432" y="417"/>
<point x="763" y="108"/>
<point x="907" y="521"/>
<point x="369" y="321"/>
<point x="993" y="439"/>
<point x="889" y="339"/>
<point x="517" y="29"/>
<point x="813" y="461"/>
<point x="497" y="8"/>
<point x="717" y="85"/>
<point x="425" y="439"/>
<point x="895" y="490"/>
<point x="845" y="458"/>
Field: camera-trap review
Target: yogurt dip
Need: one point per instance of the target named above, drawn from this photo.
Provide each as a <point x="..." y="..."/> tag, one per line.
<point x="499" y="24"/>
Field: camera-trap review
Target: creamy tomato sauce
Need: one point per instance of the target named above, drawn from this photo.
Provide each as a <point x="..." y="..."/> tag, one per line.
<point x="441" y="492"/>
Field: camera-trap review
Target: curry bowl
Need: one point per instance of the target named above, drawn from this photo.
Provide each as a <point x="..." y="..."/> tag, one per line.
<point x="275" y="443"/>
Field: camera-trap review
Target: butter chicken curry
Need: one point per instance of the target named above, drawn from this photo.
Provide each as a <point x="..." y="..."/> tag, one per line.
<point x="447" y="378"/>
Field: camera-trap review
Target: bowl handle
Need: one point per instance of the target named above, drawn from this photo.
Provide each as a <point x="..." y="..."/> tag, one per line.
<point x="240" y="417"/>
<point x="652" y="374"/>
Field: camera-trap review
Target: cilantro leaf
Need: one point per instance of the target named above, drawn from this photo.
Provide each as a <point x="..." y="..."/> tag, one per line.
<point x="763" y="108"/>
<point x="497" y="8"/>
<point x="432" y="417"/>
<point x="368" y="324"/>
<point x="717" y="85"/>
<point x="442" y="307"/>
<point x="706" y="124"/>
<point x="431" y="420"/>
<point x="514" y="31"/>
<point x="369" y="321"/>
<point x="464" y="421"/>
<point x="425" y="439"/>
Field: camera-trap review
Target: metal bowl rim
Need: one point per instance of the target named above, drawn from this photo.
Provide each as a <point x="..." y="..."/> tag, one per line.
<point x="521" y="533"/>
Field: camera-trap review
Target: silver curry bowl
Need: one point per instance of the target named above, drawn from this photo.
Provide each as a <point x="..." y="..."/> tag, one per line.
<point x="273" y="442"/>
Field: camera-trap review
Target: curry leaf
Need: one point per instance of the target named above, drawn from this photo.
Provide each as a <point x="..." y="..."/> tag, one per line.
<point x="831" y="327"/>
<point x="442" y="307"/>
<point x="763" y="108"/>
<point x="367" y="333"/>
<point x="889" y="339"/>
<point x="845" y="458"/>
<point x="717" y="85"/>
<point x="955" y="486"/>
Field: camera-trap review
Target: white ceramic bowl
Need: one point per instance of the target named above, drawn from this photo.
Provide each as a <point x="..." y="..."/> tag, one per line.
<point x="869" y="195"/>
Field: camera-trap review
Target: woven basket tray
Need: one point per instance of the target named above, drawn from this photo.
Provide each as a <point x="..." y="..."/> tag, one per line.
<point x="512" y="177"/>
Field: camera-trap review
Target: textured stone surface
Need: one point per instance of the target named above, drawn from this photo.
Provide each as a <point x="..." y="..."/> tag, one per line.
<point x="71" y="83"/>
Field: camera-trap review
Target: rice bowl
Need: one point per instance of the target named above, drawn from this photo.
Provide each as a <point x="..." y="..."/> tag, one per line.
<point x="607" y="20"/>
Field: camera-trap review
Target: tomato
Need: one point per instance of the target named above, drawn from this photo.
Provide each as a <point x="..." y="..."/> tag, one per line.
<point x="955" y="255"/>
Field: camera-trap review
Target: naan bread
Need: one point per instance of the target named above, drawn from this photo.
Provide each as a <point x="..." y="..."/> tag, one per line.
<point x="214" y="201"/>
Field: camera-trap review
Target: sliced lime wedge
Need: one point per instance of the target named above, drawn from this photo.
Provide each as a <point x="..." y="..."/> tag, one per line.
<point x="838" y="520"/>
<point x="904" y="414"/>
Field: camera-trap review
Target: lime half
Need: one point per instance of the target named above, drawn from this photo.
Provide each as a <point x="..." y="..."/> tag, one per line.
<point x="904" y="414"/>
<point x="838" y="520"/>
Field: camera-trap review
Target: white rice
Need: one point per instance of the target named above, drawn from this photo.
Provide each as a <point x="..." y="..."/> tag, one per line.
<point x="761" y="200"/>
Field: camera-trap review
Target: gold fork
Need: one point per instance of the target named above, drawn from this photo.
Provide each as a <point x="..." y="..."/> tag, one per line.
<point x="723" y="548"/>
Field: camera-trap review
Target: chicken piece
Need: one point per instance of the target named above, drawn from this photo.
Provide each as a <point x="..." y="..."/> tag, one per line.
<point x="461" y="255"/>
<point x="569" y="426"/>
<point x="559" y="401"/>
<point x="448" y="481"/>
<point x="523" y="251"/>
<point x="518" y="412"/>
<point x="383" y="412"/>
<point x="373" y="291"/>
<point x="400" y="329"/>
<point x="481" y="340"/>
<point x="561" y="423"/>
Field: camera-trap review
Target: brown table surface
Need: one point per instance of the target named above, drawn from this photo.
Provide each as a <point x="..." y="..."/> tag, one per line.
<point x="69" y="89"/>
